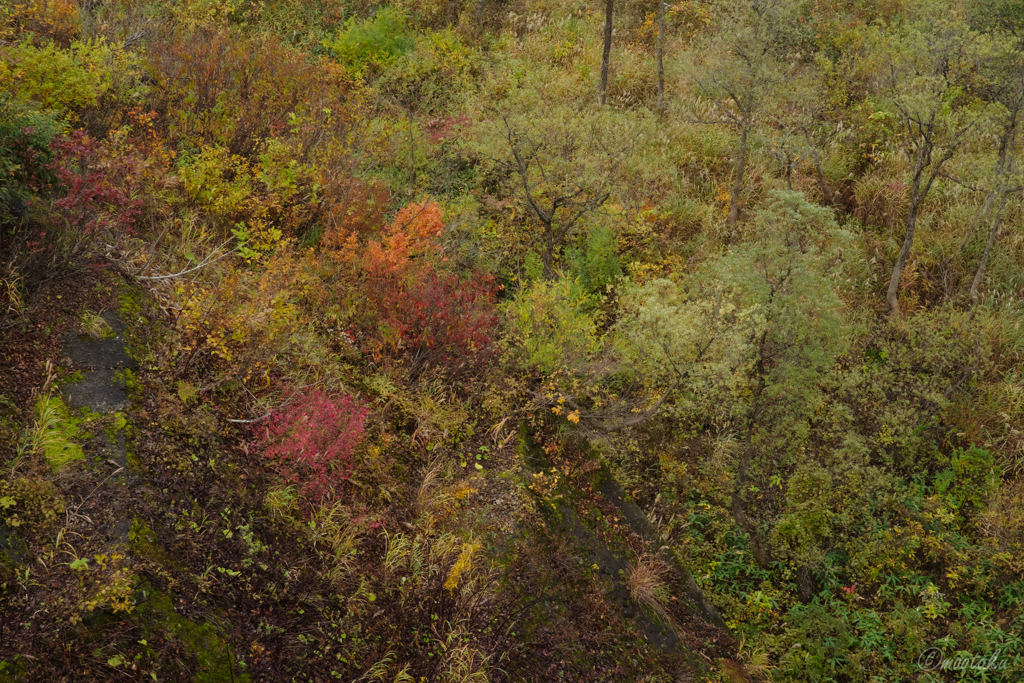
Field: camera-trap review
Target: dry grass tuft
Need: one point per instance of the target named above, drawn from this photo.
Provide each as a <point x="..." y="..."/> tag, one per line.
<point x="94" y="326"/>
<point x="756" y="667"/>
<point x="646" y="583"/>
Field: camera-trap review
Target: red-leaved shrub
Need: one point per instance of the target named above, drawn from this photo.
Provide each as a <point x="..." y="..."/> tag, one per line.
<point x="432" y="318"/>
<point x="312" y="441"/>
<point x="97" y="186"/>
<point x="91" y="190"/>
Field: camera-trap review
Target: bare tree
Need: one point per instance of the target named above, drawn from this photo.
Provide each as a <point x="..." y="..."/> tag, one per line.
<point x="814" y="142"/>
<point x="802" y="125"/>
<point x="923" y="80"/>
<point x="1010" y="99"/>
<point x="557" y="192"/>
<point x="739" y="73"/>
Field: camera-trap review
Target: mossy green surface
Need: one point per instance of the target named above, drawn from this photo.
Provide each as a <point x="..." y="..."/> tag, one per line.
<point x="214" y="656"/>
<point x="11" y="670"/>
<point x="141" y="330"/>
<point x="157" y="617"/>
<point x="144" y="543"/>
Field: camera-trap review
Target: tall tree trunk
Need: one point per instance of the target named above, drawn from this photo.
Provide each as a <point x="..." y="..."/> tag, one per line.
<point x="737" y="183"/>
<point x="825" y="189"/>
<point x="920" y="188"/>
<point x="606" y="53"/>
<point x="549" y="256"/>
<point x="739" y="513"/>
<point x="901" y="260"/>
<point x="661" y="56"/>
<point x="761" y="555"/>
<point x="805" y="584"/>
<point x="1006" y="165"/>
<point x="988" y="248"/>
<point x="453" y="12"/>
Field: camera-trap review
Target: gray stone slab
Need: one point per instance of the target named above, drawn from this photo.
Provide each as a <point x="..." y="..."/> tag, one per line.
<point x="99" y="360"/>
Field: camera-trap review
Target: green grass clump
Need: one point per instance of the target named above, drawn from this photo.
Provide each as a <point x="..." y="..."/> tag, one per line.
<point x="52" y="434"/>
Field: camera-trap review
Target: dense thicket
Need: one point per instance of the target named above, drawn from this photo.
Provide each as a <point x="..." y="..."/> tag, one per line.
<point x="405" y="283"/>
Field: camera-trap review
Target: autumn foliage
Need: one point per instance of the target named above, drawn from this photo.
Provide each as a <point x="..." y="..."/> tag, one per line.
<point x="408" y="306"/>
<point x="312" y="441"/>
<point x="97" y="185"/>
<point x="236" y="92"/>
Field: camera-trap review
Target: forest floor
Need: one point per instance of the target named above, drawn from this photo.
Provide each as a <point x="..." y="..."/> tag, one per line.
<point x="137" y="493"/>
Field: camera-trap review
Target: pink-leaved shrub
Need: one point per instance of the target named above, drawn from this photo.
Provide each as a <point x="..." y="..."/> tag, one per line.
<point x="312" y="441"/>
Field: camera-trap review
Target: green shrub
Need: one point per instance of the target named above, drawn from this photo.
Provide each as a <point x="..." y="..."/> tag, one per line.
<point x="25" y="155"/>
<point x="549" y="324"/>
<point x="753" y="331"/>
<point x="427" y="78"/>
<point x="303" y="24"/>
<point x="374" y="42"/>
<point x="971" y="477"/>
<point x="58" y="79"/>
<point x="809" y="504"/>
<point x="596" y="261"/>
<point x="55" y="432"/>
<point x="217" y="181"/>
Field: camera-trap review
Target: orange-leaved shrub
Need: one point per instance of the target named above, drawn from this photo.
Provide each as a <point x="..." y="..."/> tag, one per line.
<point x="411" y="310"/>
<point x="350" y="207"/>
